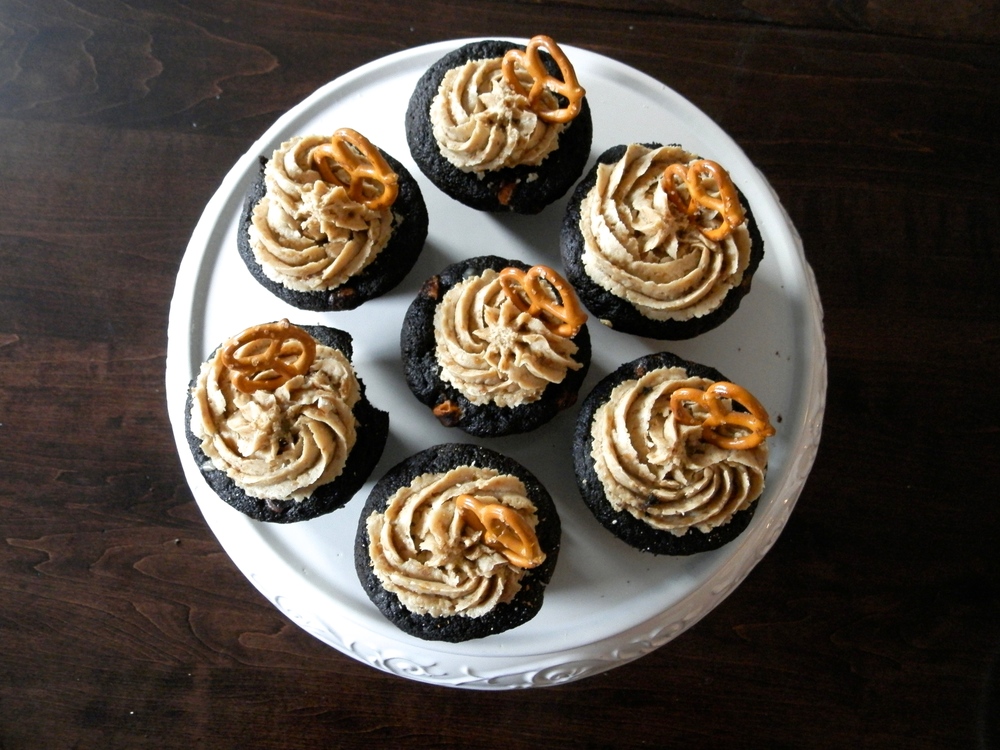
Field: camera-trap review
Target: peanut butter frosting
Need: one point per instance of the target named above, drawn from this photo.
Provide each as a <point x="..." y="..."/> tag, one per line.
<point x="659" y="469"/>
<point x="641" y="247"/>
<point x="482" y="124"/>
<point x="494" y="352"/>
<point x="278" y="444"/>
<point x="308" y="234"/>
<point x="423" y="550"/>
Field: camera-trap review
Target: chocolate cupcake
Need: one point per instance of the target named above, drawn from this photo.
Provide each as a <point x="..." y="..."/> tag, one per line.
<point x="457" y="542"/>
<point x="669" y="456"/>
<point x="495" y="140"/>
<point x="486" y="359"/>
<point x="682" y="249"/>
<point x="331" y="222"/>
<point x="279" y="425"/>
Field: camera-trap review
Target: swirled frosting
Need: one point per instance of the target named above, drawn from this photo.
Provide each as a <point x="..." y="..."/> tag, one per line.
<point x="642" y="248"/>
<point x="491" y="351"/>
<point x="482" y="124"/>
<point x="423" y="551"/>
<point x="308" y="234"/>
<point x="659" y="470"/>
<point x="280" y="444"/>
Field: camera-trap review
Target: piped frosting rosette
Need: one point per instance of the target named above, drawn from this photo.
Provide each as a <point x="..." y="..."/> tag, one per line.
<point x="309" y="234"/>
<point x="670" y="456"/>
<point x="493" y="351"/>
<point x="642" y="248"/>
<point x="481" y="123"/>
<point x="659" y="242"/>
<point x="423" y="550"/>
<point x="278" y="444"/>
<point x="660" y="470"/>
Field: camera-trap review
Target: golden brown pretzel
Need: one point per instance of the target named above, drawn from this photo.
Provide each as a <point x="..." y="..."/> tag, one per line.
<point x="363" y="164"/>
<point x="530" y="60"/>
<point x="755" y="420"/>
<point x="266" y="356"/>
<point x="504" y="530"/>
<point x="524" y="289"/>
<point x="727" y="204"/>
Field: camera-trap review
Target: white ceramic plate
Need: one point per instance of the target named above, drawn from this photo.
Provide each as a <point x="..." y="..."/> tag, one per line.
<point x="607" y="604"/>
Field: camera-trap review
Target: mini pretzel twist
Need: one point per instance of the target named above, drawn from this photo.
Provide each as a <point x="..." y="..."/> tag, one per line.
<point x="265" y="357"/>
<point x="524" y="289"/>
<point x="530" y="60"/>
<point x="727" y="204"/>
<point x="362" y="162"/>
<point x="754" y="420"/>
<point x="504" y="530"/>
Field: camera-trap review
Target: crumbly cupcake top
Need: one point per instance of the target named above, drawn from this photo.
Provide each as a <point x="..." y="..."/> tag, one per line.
<point x="440" y="557"/>
<point x="648" y="239"/>
<point x="492" y="349"/>
<point x="273" y="409"/>
<point x="315" y="227"/>
<point x="669" y="450"/>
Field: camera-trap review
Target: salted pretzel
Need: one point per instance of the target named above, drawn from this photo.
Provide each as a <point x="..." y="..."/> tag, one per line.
<point x="755" y="420"/>
<point x="504" y="530"/>
<point x="354" y="155"/>
<point x="727" y="204"/>
<point x="531" y="61"/>
<point x="524" y="289"/>
<point x="266" y="356"/>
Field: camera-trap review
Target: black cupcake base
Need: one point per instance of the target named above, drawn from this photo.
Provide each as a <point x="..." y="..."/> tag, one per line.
<point x="623" y="524"/>
<point x="372" y="433"/>
<point x="620" y="314"/>
<point x="423" y="373"/>
<point x="522" y="189"/>
<point x="456" y="628"/>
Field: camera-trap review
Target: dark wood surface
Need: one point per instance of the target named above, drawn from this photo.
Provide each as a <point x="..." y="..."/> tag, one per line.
<point x="873" y="622"/>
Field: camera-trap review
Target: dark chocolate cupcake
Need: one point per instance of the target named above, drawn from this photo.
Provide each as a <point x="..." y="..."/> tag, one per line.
<point x="479" y="361"/>
<point x="279" y="424"/>
<point x="667" y="268"/>
<point x="456" y="141"/>
<point x="316" y="244"/>
<point x="457" y="542"/>
<point x="654" y="472"/>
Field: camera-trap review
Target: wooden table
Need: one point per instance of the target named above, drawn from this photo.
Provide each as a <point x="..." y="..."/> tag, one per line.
<point x="873" y="622"/>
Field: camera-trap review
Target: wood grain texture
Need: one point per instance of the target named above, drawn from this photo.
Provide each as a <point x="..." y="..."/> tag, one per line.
<point x="874" y="621"/>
